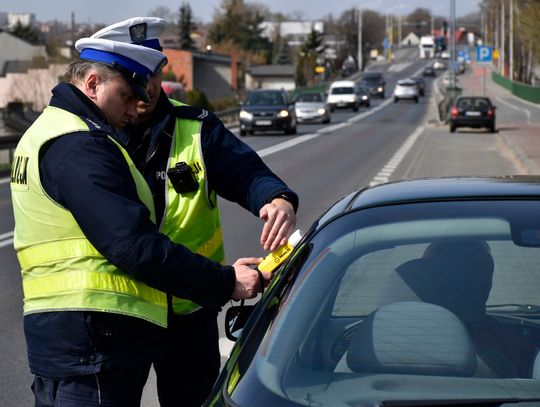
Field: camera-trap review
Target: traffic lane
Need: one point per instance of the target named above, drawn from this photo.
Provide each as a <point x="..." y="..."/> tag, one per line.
<point x="324" y="168"/>
<point x="6" y="210"/>
<point x="15" y="375"/>
<point x="439" y="153"/>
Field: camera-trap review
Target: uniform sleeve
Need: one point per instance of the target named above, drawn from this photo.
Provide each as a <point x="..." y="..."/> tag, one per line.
<point x="89" y="176"/>
<point x="236" y="172"/>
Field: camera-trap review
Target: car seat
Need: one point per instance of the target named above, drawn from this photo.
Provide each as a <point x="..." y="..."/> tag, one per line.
<point x="458" y="276"/>
<point x="412" y="337"/>
<point x="454" y="275"/>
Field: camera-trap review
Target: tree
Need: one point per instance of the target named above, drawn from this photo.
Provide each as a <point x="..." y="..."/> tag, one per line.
<point x="186" y="26"/>
<point x="283" y="56"/>
<point x="314" y="42"/>
<point x="240" y="24"/>
<point x="25" y="32"/>
<point x="163" y="12"/>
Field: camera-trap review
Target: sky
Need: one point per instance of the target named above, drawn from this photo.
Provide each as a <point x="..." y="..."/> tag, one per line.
<point x="110" y="11"/>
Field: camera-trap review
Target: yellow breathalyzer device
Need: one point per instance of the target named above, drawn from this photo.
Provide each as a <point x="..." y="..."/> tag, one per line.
<point x="278" y="256"/>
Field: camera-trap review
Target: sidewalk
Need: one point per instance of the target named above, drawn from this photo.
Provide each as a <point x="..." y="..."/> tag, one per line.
<point x="522" y="136"/>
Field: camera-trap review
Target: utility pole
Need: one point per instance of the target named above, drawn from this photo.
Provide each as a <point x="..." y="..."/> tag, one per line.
<point x="511" y="40"/>
<point x="452" y="42"/>
<point x="502" y="39"/>
<point x="360" y="58"/>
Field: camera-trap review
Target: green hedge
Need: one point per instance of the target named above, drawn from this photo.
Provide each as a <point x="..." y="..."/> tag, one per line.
<point x="521" y="90"/>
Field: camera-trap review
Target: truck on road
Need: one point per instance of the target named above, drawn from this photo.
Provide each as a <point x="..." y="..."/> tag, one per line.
<point x="427" y="46"/>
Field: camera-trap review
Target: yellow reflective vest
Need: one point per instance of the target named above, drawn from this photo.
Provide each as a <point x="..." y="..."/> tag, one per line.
<point x="191" y="219"/>
<point x="61" y="270"/>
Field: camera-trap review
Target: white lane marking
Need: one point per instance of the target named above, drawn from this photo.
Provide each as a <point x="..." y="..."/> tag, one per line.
<point x="387" y="171"/>
<point x="527" y="112"/>
<point x="6" y="239"/>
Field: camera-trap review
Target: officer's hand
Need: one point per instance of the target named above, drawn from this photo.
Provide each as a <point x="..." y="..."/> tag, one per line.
<point x="279" y="223"/>
<point x="247" y="279"/>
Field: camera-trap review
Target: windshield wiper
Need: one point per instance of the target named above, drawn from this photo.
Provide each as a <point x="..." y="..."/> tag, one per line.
<point x="456" y="402"/>
<point x="525" y="308"/>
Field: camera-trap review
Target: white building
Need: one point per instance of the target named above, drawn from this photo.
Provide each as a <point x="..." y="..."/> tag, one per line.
<point x="23" y="18"/>
<point x="296" y="31"/>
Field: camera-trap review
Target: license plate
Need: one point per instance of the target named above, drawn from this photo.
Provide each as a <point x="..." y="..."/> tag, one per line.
<point x="341" y="104"/>
<point x="263" y="122"/>
<point x="473" y="113"/>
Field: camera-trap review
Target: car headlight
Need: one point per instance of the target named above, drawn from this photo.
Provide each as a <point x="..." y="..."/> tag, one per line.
<point x="245" y="115"/>
<point x="380" y="89"/>
<point x="364" y="97"/>
<point x="321" y="110"/>
<point x="283" y="113"/>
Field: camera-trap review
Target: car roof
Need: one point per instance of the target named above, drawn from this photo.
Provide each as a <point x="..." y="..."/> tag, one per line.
<point x="474" y="98"/>
<point x="266" y="90"/>
<point x="410" y="81"/>
<point x="342" y="83"/>
<point x="372" y="74"/>
<point x="438" y="189"/>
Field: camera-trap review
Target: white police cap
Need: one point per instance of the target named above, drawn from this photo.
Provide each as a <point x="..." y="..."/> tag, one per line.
<point x="136" y="63"/>
<point x="137" y="30"/>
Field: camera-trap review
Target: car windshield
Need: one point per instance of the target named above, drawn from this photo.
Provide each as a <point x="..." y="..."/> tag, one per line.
<point x="265" y="99"/>
<point x="371" y="79"/>
<point x="409" y="304"/>
<point x="470" y="103"/>
<point x="342" y="90"/>
<point x="309" y="97"/>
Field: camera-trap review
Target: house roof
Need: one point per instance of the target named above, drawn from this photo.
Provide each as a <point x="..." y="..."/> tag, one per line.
<point x="273" y="70"/>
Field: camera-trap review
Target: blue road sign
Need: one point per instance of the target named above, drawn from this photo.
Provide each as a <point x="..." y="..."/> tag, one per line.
<point x="484" y="54"/>
<point x="386" y="43"/>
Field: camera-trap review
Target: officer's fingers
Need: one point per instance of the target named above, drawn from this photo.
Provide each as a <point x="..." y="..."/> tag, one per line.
<point x="247" y="261"/>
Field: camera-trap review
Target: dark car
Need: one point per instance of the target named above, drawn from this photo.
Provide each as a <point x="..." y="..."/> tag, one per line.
<point x="429" y="72"/>
<point x="266" y="109"/>
<point x="412" y="293"/>
<point x="364" y="97"/>
<point x="420" y="84"/>
<point x="374" y="81"/>
<point x="472" y="111"/>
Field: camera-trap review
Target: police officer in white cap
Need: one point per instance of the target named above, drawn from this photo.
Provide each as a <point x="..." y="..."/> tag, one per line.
<point x="202" y="159"/>
<point x="95" y="267"/>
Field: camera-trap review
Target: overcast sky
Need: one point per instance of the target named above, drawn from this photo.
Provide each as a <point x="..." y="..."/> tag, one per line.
<point x="109" y="11"/>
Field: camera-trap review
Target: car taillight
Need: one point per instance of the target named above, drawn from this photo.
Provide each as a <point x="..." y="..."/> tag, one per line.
<point x="454" y="112"/>
<point x="490" y="112"/>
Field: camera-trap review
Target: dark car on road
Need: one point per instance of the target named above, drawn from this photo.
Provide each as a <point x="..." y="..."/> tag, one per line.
<point x="374" y="81"/>
<point x="420" y="84"/>
<point x="411" y="293"/>
<point x="472" y="111"/>
<point x="267" y="109"/>
<point x="429" y="72"/>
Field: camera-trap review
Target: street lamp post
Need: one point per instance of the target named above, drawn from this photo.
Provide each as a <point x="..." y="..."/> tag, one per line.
<point x="360" y="49"/>
<point x="502" y="39"/>
<point x="511" y="40"/>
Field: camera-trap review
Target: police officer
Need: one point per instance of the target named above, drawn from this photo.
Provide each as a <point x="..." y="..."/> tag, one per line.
<point x="95" y="267"/>
<point x="166" y="135"/>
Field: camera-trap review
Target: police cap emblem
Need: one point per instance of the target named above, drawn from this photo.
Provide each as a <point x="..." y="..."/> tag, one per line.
<point x="137" y="32"/>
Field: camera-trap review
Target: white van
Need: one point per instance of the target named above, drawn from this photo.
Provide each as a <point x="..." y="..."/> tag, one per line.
<point x="343" y="94"/>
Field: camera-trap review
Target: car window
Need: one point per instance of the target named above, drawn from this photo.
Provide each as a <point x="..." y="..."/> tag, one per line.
<point x="342" y="90"/>
<point x="309" y="97"/>
<point x="266" y="99"/>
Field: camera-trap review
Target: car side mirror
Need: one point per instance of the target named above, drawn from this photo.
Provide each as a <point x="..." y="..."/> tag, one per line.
<point x="235" y="320"/>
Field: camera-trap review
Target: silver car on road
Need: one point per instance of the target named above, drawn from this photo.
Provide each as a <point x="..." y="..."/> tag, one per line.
<point x="312" y="107"/>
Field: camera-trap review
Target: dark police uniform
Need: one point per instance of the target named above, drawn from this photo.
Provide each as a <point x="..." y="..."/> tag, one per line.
<point x="190" y="363"/>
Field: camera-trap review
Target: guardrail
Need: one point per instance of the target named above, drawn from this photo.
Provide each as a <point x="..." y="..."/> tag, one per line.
<point x="229" y="116"/>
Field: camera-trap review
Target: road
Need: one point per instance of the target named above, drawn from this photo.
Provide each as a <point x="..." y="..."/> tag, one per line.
<point x="322" y="163"/>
